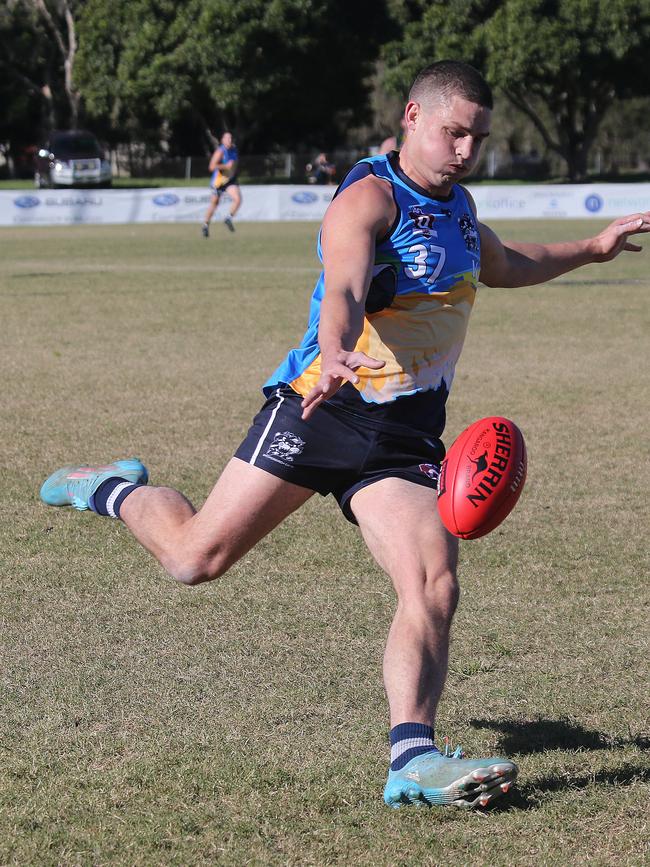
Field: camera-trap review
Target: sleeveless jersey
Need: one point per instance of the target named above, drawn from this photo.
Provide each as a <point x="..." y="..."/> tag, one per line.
<point x="420" y="298"/>
<point x="227" y="154"/>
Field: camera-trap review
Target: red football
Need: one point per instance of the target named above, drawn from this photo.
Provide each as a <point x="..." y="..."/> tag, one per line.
<point x="481" y="477"/>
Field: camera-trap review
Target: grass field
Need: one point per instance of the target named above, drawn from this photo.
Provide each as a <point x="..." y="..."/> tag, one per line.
<point x="143" y="723"/>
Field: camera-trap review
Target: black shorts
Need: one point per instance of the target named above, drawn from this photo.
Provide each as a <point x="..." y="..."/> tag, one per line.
<point x="221" y="189"/>
<point x="334" y="451"/>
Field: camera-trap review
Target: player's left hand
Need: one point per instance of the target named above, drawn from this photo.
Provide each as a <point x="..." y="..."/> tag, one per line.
<point x="614" y="239"/>
<point x="333" y="374"/>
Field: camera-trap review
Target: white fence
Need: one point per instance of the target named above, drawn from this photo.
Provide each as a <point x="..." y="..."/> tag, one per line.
<point x="298" y="202"/>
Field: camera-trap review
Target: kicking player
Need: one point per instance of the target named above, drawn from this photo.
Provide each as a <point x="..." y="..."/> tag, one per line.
<point x="224" y="165"/>
<point x="358" y="409"/>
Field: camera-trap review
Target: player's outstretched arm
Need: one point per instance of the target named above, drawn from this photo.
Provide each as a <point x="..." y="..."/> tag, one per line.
<point x="510" y="263"/>
<point x="353" y="221"/>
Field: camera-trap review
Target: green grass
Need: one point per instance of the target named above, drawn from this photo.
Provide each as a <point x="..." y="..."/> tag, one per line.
<point x="244" y="722"/>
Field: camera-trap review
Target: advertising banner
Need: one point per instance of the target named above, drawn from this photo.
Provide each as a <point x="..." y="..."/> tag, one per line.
<point x="559" y="200"/>
<point x="301" y="202"/>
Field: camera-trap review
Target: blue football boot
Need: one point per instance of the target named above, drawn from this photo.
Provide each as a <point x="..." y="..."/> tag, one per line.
<point x="434" y="778"/>
<point x="73" y="485"/>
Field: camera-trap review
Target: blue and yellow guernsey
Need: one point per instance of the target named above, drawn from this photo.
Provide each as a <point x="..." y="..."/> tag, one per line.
<point x="421" y="295"/>
<point x="218" y="177"/>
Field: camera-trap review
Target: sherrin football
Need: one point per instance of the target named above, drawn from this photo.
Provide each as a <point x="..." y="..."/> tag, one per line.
<point x="481" y="477"/>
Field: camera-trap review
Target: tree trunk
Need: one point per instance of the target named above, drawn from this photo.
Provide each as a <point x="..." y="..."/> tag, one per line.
<point x="65" y="37"/>
<point x="576" y="160"/>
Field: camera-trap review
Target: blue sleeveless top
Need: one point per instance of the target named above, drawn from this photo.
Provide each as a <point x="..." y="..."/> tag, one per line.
<point x="227" y="154"/>
<point x="421" y="295"/>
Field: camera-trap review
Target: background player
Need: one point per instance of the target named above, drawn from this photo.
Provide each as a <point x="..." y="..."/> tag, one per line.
<point x="224" y="164"/>
<point x="358" y="410"/>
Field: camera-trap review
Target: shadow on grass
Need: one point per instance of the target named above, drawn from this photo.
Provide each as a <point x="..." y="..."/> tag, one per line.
<point x="538" y="736"/>
<point x="535" y="736"/>
<point x="529" y="796"/>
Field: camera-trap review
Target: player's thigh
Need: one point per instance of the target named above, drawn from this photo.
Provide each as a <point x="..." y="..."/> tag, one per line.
<point x="235" y="195"/>
<point x="245" y="504"/>
<point x="400" y="524"/>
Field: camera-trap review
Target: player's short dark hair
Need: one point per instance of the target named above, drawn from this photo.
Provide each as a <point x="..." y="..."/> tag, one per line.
<point x="448" y="78"/>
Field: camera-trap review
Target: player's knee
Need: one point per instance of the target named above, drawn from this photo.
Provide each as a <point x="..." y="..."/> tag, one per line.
<point x="432" y="594"/>
<point x="442" y="592"/>
<point x="191" y="569"/>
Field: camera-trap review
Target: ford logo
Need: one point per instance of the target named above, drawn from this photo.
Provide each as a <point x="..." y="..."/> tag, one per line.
<point x="304" y="198"/>
<point x="164" y="200"/>
<point x="27" y="202"/>
<point x="593" y="203"/>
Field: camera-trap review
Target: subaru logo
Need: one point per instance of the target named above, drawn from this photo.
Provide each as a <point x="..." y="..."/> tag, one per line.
<point x="304" y="198"/>
<point x="27" y="201"/>
<point x="593" y="203"/>
<point x="164" y="200"/>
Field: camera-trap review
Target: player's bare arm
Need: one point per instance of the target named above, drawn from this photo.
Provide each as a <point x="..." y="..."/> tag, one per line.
<point x="509" y="264"/>
<point x="215" y="159"/>
<point x="354" y="221"/>
<point x="216" y="162"/>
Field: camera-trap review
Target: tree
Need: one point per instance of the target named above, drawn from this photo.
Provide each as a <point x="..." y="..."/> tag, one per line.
<point x="123" y="71"/>
<point x="264" y="68"/>
<point x="290" y="71"/>
<point x="28" y="84"/>
<point x="560" y="62"/>
<point x="58" y="17"/>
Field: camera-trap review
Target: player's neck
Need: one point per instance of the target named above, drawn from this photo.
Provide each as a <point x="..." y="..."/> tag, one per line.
<point x="437" y="185"/>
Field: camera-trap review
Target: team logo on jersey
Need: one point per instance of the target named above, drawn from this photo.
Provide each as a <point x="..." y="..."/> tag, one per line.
<point x="468" y="231"/>
<point x="284" y="447"/>
<point x="423" y="222"/>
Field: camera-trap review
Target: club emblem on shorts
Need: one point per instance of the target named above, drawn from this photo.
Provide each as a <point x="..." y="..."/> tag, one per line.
<point x="284" y="447"/>
<point x="430" y="470"/>
<point x="468" y="231"/>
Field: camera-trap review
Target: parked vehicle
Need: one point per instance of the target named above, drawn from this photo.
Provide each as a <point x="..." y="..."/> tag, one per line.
<point x="72" y="158"/>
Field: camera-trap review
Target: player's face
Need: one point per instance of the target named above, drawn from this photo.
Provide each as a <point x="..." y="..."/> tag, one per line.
<point x="443" y="141"/>
<point x="226" y="140"/>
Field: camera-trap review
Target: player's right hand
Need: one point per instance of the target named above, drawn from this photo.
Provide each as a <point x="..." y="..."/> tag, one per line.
<point x="334" y="372"/>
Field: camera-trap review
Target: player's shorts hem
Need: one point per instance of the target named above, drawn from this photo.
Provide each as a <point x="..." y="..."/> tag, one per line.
<point x="344" y="500"/>
<point x="280" y="473"/>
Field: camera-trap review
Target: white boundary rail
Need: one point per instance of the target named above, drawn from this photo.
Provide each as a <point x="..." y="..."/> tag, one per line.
<point x="304" y="202"/>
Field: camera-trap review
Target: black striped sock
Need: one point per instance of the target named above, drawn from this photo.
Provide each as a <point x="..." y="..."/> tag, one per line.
<point x="109" y="496"/>
<point x="408" y="740"/>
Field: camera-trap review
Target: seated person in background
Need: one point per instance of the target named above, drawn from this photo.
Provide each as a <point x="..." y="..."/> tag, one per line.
<point x="321" y="171"/>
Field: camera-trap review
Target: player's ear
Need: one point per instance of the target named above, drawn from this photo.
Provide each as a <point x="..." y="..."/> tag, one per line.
<point x="412" y="114"/>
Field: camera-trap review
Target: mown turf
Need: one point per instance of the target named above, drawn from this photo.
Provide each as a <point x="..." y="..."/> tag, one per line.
<point x="244" y="722"/>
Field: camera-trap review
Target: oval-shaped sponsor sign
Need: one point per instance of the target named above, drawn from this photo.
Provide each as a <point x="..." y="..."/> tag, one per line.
<point x="164" y="200"/>
<point x="593" y="203"/>
<point x="27" y="201"/>
<point x="304" y="198"/>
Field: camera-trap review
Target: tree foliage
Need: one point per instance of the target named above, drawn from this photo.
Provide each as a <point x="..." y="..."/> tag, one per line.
<point x="560" y="62"/>
<point x="289" y="73"/>
<point x="28" y="72"/>
<point x="263" y="68"/>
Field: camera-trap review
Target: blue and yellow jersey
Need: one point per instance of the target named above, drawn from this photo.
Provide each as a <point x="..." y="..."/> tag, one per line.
<point x="218" y="177"/>
<point x="421" y="295"/>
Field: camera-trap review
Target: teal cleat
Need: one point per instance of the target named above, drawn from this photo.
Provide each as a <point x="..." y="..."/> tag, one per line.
<point x="433" y="778"/>
<point x="74" y="484"/>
